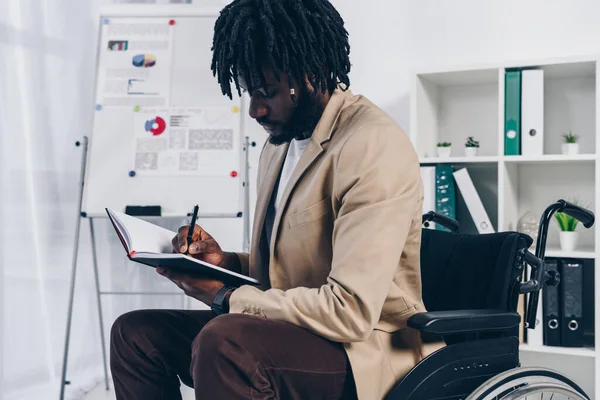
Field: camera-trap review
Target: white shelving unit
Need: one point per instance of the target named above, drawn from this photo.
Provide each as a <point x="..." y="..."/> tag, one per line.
<point x="451" y="104"/>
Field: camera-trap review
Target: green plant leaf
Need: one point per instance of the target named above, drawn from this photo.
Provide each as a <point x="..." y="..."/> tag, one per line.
<point x="565" y="222"/>
<point x="570" y="138"/>
<point x="471" y="142"/>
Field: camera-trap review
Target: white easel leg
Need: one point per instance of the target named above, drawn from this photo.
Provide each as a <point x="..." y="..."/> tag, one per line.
<point x="100" y="318"/>
<point x="63" y="380"/>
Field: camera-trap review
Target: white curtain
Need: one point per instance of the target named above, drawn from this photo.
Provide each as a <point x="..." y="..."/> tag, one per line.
<point x="47" y="65"/>
<point x="46" y="84"/>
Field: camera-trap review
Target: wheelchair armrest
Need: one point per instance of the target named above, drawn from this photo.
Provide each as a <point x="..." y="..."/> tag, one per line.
<point x="463" y="321"/>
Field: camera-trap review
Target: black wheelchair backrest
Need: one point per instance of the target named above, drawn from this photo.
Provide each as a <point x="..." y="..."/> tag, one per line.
<point x="472" y="271"/>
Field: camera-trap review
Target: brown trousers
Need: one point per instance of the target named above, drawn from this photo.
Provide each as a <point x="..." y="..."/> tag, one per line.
<point x="233" y="356"/>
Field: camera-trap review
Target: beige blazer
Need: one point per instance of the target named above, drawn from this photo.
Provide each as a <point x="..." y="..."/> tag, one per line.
<point x="344" y="259"/>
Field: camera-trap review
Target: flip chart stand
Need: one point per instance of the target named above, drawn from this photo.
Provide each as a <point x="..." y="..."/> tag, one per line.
<point x="246" y="240"/>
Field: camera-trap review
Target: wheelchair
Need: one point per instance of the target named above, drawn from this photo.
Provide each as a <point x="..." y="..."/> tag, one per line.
<point x="471" y="286"/>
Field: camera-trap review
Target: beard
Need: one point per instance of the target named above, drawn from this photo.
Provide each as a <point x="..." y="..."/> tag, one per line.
<point x="303" y="121"/>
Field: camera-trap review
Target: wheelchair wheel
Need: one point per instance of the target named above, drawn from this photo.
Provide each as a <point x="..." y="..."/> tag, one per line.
<point x="528" y="383"/>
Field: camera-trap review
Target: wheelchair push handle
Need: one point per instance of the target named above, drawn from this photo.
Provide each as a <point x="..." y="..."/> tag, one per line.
<point x="442" y="220"/>
<point x="539" y="275"/>
<point x="585" y="216"/>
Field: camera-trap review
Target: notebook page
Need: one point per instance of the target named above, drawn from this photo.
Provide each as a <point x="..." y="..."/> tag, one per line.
<point x="121" y="231"/>
<point x="144" y="236"/>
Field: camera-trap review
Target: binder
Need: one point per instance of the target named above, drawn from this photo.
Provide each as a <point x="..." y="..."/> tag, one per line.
<point x="512" y="113"/>
<point x="571" y="294"/>
<point x="445" y="200"/>
<point x="428" y="180"/>
<point x="588" y="302"/>
<point x="521" y="311"/>
<point x="473" y="201"/>
<point x="532" y="112"/>
<point x="551" y="308"/>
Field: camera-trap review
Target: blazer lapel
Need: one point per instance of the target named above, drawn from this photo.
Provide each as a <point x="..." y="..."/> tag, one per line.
<point x="270" y="176"/>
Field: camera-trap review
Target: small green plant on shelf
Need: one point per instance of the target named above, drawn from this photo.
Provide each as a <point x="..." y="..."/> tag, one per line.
<point x="571" y="143"/>
<point x="570" y="138"/>
<point x="565" y="222"/>
<point x="471" y="146"/>
<point x="444" y="149"/>
<point x="471" y="142"/>
<point x="567" y="226"/>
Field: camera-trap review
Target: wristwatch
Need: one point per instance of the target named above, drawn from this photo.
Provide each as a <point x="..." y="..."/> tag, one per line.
<point x="218" y="305"/>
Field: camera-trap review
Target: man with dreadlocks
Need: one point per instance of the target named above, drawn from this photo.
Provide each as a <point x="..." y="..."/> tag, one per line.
<point x="336" y="235"/>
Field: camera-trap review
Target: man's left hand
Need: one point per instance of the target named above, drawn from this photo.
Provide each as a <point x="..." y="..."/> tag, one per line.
<point x="203" y="289"/>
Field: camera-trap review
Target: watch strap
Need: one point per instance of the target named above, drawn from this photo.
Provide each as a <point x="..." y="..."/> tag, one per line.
<point x="218" y="305"/>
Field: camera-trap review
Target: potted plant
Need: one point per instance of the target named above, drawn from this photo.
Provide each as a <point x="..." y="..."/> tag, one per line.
<point x="567" y="226"/>
<point x="444" y="149"/>
<point x="570" y="145"/>
<point x="471" y="147"/>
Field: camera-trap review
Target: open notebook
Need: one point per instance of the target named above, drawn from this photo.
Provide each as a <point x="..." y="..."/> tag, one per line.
<point x="150" y="244"/>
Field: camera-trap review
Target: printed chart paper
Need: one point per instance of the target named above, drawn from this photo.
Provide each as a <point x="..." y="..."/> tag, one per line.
<point x="186" y="141"/>
<point x="135" y="63"/>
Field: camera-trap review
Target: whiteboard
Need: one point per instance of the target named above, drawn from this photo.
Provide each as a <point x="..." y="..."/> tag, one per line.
<point x="163" y="134"/>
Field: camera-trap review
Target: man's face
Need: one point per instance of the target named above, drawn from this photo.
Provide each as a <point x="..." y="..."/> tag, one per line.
<point x="273" y="108"/>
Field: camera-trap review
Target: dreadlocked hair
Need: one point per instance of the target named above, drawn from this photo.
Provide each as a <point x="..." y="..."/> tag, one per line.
<point x="301" y="38"/>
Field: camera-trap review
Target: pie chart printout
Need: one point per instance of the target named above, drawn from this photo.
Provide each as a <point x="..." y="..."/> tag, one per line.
<point x="144" y="61"/>
<point x="156" y="126"/>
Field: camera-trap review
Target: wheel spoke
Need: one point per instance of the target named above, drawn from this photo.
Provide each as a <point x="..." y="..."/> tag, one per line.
<point x="529" y="382"/>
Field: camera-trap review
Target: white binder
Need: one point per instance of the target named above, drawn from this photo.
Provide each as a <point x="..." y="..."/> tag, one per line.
<point x="428" y="179"/>
<point x="473" y="201"/>
<point x="532" y="112"/>
<point x="535" y="337"/>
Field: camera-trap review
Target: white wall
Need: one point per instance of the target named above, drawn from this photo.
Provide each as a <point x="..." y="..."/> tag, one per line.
<point x="388" y="37"/>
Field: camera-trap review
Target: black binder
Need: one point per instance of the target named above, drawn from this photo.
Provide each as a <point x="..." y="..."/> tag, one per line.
<point x="551" y="308"/>
<point x="571" y="295"/>
<point x="588" y="302"/>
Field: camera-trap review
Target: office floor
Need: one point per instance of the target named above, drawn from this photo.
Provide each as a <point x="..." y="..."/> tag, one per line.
<point x="100" y="393"/>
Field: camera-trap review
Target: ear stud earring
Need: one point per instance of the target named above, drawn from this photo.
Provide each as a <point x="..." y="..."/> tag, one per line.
<point x="293" y="95"/>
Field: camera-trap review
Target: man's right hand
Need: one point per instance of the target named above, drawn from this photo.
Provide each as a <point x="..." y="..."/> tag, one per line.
<point x="203" y="247"/>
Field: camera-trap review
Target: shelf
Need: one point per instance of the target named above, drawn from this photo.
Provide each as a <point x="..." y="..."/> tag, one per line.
<point x="452" y="104"/>
<point x="549" y="158"/>
<point x="533" y="186"/>
<point x="443" y="106"/>
<point x="586" y="69"/>
<point x="459" y="160"/>
<point x="461" y="78"/>
<point x="568" y="351"/>
<point x="584" y="252"/>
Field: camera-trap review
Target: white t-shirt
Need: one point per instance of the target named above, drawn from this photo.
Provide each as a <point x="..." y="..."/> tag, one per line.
<point x="294" y="153"/>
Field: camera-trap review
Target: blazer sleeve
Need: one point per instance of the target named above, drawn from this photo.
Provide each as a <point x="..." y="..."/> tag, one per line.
<point x="377" y="184"/>
<point x="245" y="263"/>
